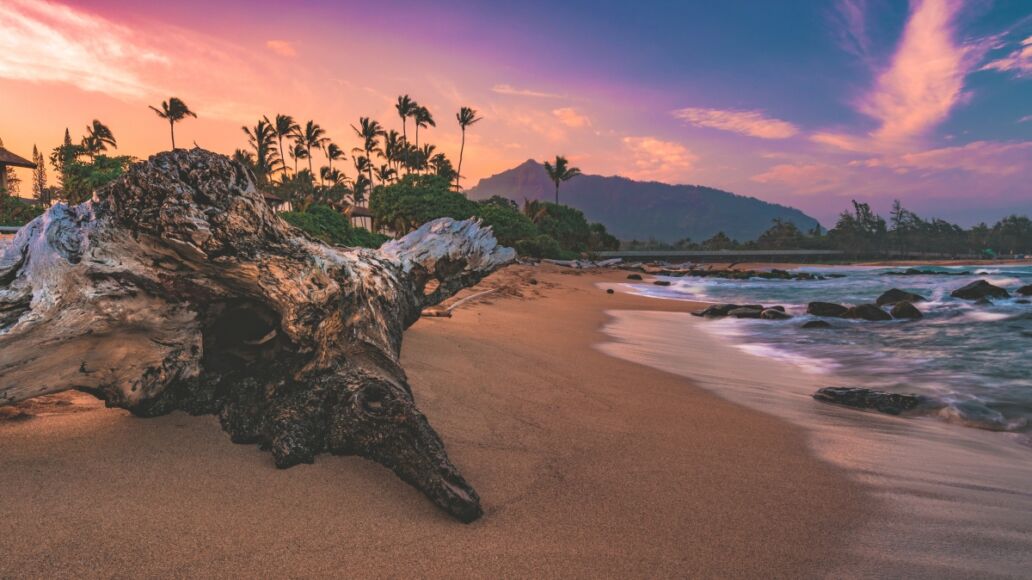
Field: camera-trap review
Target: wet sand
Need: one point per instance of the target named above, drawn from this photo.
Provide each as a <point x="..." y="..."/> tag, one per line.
<point x="588" y="466"/>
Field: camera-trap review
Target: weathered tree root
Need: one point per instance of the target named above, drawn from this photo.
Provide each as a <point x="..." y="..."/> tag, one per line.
<point x="177" y="288"/>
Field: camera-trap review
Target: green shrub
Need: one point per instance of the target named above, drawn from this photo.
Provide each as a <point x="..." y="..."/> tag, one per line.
<point x="17" y="212"/>
<point x="508" y="224"/>
<point x="540" y="246"/>
<point x="80" y="178"/>
<point x="417" y="199"/>
<point x="331" y="226"/>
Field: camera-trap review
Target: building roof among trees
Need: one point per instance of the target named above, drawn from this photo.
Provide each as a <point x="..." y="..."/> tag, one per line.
<point x="8" y="158"/>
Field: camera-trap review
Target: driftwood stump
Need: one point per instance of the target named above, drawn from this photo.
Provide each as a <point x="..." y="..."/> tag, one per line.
<point x="178" y="288"/>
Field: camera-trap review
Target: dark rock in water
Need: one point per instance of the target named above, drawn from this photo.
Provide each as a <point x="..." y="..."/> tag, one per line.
<point x="779" y="308"/>
<point x="634" y="276"/>
<point x="662" y="282"/>
<point x="716" y="310"/>
<point x="979" y="289"/>
<point x="610" y="291"/>
<point x="826" y="309"/>
<point x="1023" y="301"/>
<point x="745" y="312"/>
<point x="983" y="302"/>
<point x="774" y="314"/>
<point x="917" y="272"/>
<point x="905" y="310"/>
<point x="896" y="295"/>
<point x="869" y="312"/>
<point x="1025" y="290"/>
<point x="861" y="398"/>
<point x="816" y="324"/>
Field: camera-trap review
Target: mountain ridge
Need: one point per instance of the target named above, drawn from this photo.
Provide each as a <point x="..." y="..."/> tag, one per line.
<point x="644" y="210"/>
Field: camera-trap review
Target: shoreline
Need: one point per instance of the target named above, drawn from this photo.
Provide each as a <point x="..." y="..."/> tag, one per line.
<point x="956" y="500"/>
<point x="587" y="465"/>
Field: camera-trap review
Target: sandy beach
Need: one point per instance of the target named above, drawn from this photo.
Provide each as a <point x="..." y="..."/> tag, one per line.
<point x="588" y="466"/>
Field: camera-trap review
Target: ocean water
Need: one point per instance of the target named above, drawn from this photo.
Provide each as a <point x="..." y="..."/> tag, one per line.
<point x="974" y="359"/>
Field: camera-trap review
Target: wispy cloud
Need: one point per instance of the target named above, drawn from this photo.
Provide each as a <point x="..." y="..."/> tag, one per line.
<point x="282" y="47"/>
<point x="849" y="21"/>
<point x="1025" y="119"/>
<point x="981" y="157"/>
<point x="1019" y="61"/>
<point x="572" y="118"/>
<point x="48" y="42"/>
<point x="925" y="79"/>
<point x="751" y="123"/>
<point x="804" y="178"/>
<point x="659" y="160"/>
<point x="513" y="91"/>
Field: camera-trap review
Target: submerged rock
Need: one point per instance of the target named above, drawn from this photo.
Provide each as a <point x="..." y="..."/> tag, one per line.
<point x="816" y="324"/>
<point x="862" y="398"/>
<point x="1025" y="290"/>
<point x="983" y="302"/>
<point x="662" y="282"/>
<point x="896" y="295"/>
<point x="634" y="276"/>
<point x="774" y="314"/>
<point x="826" y="309"/>
<point x="746" y="312"/>
<point x="905" y="310"/>
<point x="869" y="312"/>
<point x="979" y="289"/>
<point x="716" y="310"/>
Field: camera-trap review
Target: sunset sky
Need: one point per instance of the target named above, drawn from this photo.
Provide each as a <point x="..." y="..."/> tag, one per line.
<point x="799" y="102"/>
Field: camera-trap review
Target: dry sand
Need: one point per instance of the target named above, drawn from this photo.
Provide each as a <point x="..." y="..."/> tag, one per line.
<point x="588" y="466"/>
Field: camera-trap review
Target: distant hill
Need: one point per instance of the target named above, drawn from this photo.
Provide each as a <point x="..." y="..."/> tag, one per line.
<point x="646" y="209"/>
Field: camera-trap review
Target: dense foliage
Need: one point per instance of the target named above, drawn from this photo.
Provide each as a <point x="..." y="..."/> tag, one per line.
<point x="862" y="232"/>
<point x="543" y="230"/>
<point x="80" y="178"/>
<point x="333" y="227"/>
<point x="17" y="212"/>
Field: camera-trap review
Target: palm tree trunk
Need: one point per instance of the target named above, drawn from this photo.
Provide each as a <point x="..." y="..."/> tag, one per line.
<point x="172" y="129"/>
<point x="557" y="193"/>
<point x="458" y="174"/>
<point x="309" y="149"/>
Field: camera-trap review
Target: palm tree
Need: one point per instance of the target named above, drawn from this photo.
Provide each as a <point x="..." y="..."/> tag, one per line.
<point x="423" y="119"/>
<point x="97" y="139"/>
<point x="299" y="151"/>
<point x="393" y="145"/>
<point x="560" y="172"/>
<point x="466" y="117"/>
<point x="333" y="153"/>
<point x="313" y="136"/>
<point x="369" y="132"/>
<point x="284" y="126"/>
<point x="443" y="166"/>
<point x="173" y="110"/>
<point x="426" y="152"/>
<point x="406" y="108"/>
<point x="385" y="173"/>
<point x="262" y="139"/>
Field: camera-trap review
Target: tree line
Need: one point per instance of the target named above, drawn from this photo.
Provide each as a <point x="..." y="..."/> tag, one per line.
<point x="862" y="232"/>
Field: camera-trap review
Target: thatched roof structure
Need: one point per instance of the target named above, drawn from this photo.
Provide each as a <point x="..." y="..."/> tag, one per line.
<point x="8" y="158"/>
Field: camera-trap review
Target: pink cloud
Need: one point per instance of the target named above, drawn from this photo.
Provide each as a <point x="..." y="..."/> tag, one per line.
<point x="656" y="159"/>
<point x="803" y="178"/>
<point x="572" y="118"/>
<point x="925" y="79"/>
<point x="282" y="47"/>
<point x="1018" y="61"/>
<point x="751" y="123"/>
<point x="504" y="89"/>
<point x="981" y="157"/>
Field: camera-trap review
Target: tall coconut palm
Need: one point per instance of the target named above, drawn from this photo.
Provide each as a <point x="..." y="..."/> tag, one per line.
<point x="406" y="108"/>
<point x="423" y="119"/>
<point x="98" y="137"/>
<point x="298" y="151"/>
<point x="283" y="126"/>
<point x="262" y="139"/>
<point x="369" y="132"/>
<point x="560" y="172"/>
<point x="173" y="110"/>
<point x="313" y="136"/>
<point x="333" y="153"/>
<point x="385" y="173"/>
<point x="393" y="145"/>
<point x="466" y="117"/>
